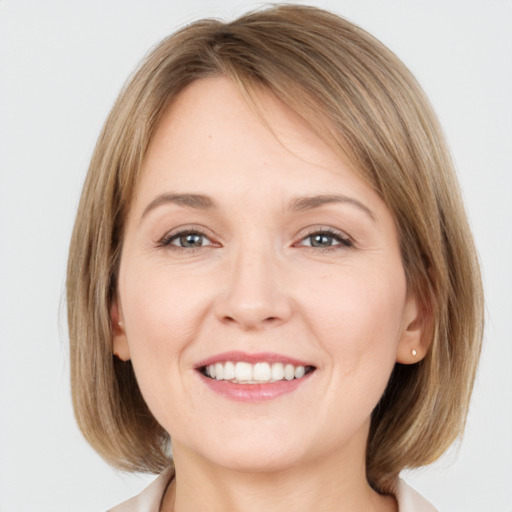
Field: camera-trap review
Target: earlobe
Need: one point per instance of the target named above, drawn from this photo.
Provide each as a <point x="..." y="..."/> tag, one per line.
<point x="120" y="346"/>
<point x="414" y="339"/>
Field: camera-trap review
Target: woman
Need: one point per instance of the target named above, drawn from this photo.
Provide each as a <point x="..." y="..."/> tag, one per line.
<point x="271" y="273"/>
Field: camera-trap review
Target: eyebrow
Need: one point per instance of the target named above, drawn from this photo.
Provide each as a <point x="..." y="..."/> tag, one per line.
<point x="300" y="204"/>
<point x="197" y="201"/>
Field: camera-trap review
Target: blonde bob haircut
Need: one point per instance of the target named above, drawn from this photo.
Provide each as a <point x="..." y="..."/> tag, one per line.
<point x="361" y="99"/>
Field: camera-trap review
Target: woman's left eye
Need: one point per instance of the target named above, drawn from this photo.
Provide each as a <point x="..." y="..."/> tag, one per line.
<point x="325" y="240"/>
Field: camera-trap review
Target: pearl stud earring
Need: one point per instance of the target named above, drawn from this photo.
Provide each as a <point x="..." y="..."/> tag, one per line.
<point x="413" y="352"/>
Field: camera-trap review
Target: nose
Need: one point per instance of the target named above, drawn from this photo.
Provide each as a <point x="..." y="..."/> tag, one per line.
<point x="253" y="295"/>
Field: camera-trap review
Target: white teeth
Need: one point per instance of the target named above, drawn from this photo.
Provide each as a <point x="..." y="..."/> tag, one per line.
<point x="259" y="373"/>
<point x="243" y="371"/>
<point x="229" y="371"/>
<point x="299" y="372"/>
<point x="219" y="371"/>
<point x="277" y="371"/>
<point x="289" y="372"/>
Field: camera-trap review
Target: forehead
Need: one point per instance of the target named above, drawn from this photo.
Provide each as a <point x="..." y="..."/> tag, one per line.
<point x="211" y="107"/>
<point x="210" y="130"/>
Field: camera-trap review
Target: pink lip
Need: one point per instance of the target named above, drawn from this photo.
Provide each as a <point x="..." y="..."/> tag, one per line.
<point x="253" y="392"/>
<point x="260" y="357"/>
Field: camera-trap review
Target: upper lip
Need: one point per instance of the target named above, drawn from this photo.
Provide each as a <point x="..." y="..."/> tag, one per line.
<point x="258" y="357"/>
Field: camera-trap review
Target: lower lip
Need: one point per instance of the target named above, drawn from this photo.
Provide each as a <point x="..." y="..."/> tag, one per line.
<point x="254" y="392"/>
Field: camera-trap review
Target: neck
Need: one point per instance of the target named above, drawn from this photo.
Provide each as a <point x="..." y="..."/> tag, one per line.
<point x="324" y="484"/>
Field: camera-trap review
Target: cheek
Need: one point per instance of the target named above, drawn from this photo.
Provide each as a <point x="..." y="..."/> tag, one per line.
<point x="358" y="325"/>
<point x="162" y="308"/>
<point x="358" y="318"/>
<point x="163" y="312"/>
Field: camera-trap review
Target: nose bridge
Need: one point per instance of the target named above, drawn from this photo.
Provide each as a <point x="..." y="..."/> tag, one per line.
<point x="253" y="295"/>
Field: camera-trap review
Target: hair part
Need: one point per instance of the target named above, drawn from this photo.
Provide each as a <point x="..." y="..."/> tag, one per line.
<point x="361" y="99"/>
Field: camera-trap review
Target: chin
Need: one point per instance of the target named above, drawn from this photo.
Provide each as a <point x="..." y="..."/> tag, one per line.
<point x="257" y="460"/>
<point x="261" y="453"/>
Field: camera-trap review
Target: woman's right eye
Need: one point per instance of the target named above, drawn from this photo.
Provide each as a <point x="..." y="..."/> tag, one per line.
<point x="186" y="240"/>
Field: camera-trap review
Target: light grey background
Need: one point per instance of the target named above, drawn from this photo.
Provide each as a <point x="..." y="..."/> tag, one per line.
<point x="61" y="67"/>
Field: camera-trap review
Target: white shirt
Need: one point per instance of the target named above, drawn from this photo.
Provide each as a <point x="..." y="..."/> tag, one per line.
<point x="150" y="498"/>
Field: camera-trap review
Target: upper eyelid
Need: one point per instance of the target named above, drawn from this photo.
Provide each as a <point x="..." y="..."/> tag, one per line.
<point x="312" y="230"/>
<point x="180" y="231"/>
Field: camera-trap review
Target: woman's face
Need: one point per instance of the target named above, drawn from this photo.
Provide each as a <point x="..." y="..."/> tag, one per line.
<point x="261" y="292"/>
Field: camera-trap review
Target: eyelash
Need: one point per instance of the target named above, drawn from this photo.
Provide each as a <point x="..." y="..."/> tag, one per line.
<point x="343" y="241"/>
<point x="166" y="240"/>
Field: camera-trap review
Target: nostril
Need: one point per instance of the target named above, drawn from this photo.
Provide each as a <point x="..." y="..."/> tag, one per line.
<point x="250" y="322"/>
<point x="251" y="300"/>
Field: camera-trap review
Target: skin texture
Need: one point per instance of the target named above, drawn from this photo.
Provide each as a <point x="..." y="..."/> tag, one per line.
<point x="255" y="284"/>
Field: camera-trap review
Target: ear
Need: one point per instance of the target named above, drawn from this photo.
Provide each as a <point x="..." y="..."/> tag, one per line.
<point x="119" y="341"/>
<point x="415" y="335"/>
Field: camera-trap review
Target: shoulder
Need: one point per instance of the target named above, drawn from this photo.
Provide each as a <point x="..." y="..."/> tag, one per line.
<point x="149" y="499"/>
<point x="411" y="501"/>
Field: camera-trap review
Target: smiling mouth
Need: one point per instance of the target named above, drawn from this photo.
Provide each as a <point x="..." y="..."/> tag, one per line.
<point x="242" y="372"/>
